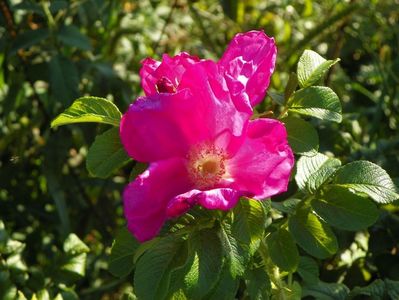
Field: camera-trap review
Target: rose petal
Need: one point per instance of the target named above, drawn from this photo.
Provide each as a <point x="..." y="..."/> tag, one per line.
<point x="172" y="68"/>
<point x="146" y="198"/>
<point x="263" y="164"/>
<point x="249" y="62"/>
<point x="221" y="198"/>
<point x="167" y="125"/>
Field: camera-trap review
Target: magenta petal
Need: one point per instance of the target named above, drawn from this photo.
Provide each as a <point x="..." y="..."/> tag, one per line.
<point x="249" y="62"/>
<point x="151" y="128"/>
<point x="146" y="198"/>
<point x="167" y="125"/>
<point x="221" y="198"/>
<point x="214" y="106"/>
<point x="172" y="68"/>
<point x="263" y="164"/>
<point x="148" y="68"/>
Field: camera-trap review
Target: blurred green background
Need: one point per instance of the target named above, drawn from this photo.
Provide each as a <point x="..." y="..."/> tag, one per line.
<point x="52" y="52"/>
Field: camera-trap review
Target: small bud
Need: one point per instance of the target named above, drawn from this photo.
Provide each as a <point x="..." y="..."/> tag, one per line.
<point x="164" y="85"/>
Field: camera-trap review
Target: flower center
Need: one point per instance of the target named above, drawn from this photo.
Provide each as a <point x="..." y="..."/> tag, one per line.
<point x="206" y="165"/>
<point x="164" y="85"/>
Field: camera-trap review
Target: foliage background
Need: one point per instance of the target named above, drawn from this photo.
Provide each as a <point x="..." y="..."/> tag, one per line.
<point x="51" y="52"/>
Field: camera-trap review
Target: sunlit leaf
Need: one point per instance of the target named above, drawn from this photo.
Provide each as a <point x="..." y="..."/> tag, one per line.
<point x="312" y="67"/>
<point x="235" y="254"/>
<point x="207" y="249"/>
<point x="249" y="222"/>
<point x="312" y="234"/>
<point x="302" y="136"/>
<point x="317" y="101"/>
<point x="106" y="154"/>
<point x="313" y="171"/>
<point x="366" y="177"/>
<point x="345" y="210"/>
<point x="89" y="109"/>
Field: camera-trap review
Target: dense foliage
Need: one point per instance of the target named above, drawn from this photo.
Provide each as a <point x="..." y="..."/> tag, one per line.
<point x="59" y="218"/>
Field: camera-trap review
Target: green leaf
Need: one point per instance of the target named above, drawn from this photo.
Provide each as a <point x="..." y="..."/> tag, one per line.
<point x="283" y="250"/>
<point x="71" y="36"/>
<point x="313" y="171"/>
<point x="249" y="223"/>
<point x="287" y="206"/>
<point x="106" y="154"/>
<point x="392" y="288"/>
<point x="64" y="79"/>
<point x="312" y="67"/>
<point x="312" y="234"/>
<point x="154" y="268"/>
<point x="316" y="101"/>
<point x="29" y="38"/>
<point x="8" y="291"/>
<point x="89" y="109"/>
<point x="67" y="294"/>
<point x="308" y="270"/>
<point x="75" y="261"/>
<point x="76" y="265"/>
<point x="43" y="295"/>
<point x="276" y="97"/>
<point x="258" y="283"/>
<point x="130" y="296"/>
<point x="236" y="256"/>
<point x="206" y="247"/>
<point x="73" y="245"/>
<point x="13" y="247"/>
<point x="20" y="296"/>
<point x="227" y="286"/>
<point x="375" y="290"/>
<point x="366" y="177"/>
<point x="293" y="292"/>
<point x="291" y="86"/>
<point x="120" y="262"/>
<point x="343" y="209"/>
<point x="302" y="136"/>
<point x="326" y="291"/>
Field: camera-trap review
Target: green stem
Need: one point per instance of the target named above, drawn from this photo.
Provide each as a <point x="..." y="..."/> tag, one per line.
<point x="50" y="20"/>
<point x="289" y="280"/>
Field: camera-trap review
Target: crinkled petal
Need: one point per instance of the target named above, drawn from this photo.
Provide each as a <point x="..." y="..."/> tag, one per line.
<point x="221" y="198"/>
<point x="145" y="199"/>
<point x="263" y="165"/>
<point x="172" y="68"/>
<point x="148" y="68"/>
<point x="248" y="63"/>
<point x="167" y="125"/>
<point x="219" y="114"/>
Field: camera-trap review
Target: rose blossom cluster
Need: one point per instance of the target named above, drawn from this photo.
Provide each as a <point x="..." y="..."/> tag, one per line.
<point x="193" y="127"/>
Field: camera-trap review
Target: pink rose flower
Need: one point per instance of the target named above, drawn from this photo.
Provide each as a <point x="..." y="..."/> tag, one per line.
<point x="194" y="128"/>
<point x="247" y="65"/>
